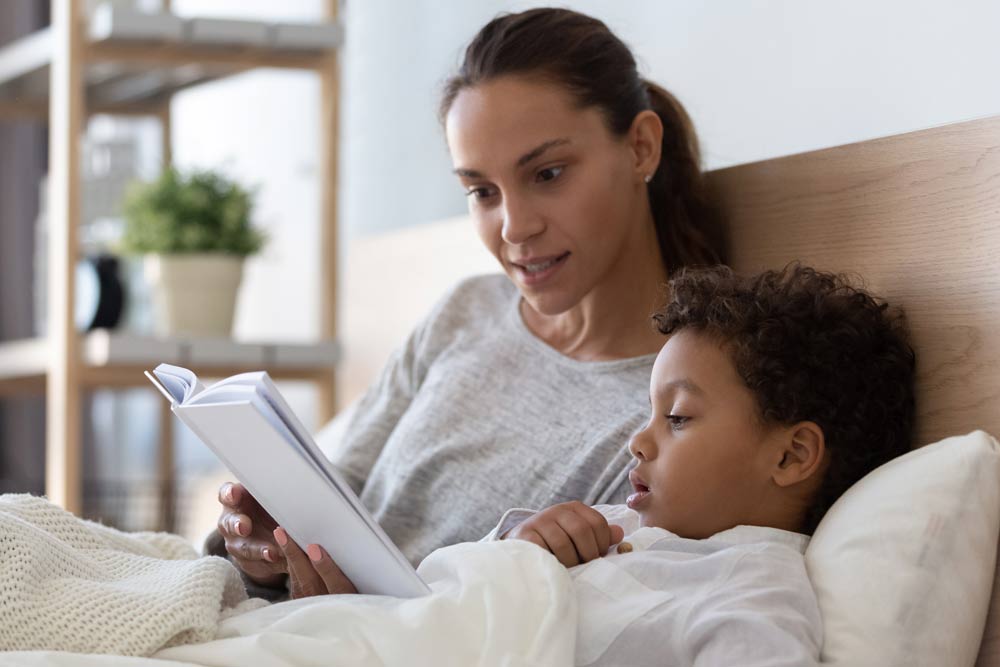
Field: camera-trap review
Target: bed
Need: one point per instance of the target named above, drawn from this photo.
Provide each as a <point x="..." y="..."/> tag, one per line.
<point x="919" y="216"/>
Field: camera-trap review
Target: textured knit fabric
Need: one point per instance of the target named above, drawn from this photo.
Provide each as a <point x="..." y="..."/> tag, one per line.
<point x="740" y="597"/>
<point x="474" y="414"/>
<point x="73" y="585"/>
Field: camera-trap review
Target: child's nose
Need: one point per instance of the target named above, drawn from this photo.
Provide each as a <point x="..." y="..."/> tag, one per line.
<point x="641" y="447"/>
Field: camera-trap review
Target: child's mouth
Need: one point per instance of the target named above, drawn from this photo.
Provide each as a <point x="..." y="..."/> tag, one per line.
<point x="641" y="490"/>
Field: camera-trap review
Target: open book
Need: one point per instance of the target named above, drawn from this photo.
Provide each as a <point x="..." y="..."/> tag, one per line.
<point x="248" y="425"/>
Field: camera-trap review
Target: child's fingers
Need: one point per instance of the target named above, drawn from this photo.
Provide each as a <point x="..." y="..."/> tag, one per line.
<point x="599" y="526"/>
<point x="582" y="534"/>
<point x="558" y="542"/>
<point x="617" y="534"/>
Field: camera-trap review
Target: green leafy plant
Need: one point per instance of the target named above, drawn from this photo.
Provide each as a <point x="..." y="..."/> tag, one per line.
<point x="201" y="211"/>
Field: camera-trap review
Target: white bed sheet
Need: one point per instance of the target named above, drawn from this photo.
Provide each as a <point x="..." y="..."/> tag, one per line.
<point x="508" y="604"/>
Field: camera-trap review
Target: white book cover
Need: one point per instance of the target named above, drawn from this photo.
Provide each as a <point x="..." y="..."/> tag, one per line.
<point x="250" y="427"/>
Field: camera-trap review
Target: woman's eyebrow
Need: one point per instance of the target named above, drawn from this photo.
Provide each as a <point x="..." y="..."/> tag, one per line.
<point x="533" y="154"/>
<point x="541" y="148"/>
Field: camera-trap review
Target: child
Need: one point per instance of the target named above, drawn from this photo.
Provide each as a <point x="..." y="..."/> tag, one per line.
<point x="772" y="395"/>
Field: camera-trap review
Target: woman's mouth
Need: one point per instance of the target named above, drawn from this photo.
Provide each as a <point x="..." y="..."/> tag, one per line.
<point x="641" y="490"/>
<point x="535" y="270"/>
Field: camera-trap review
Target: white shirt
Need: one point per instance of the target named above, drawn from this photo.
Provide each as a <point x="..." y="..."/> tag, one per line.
<point x="741" y="597"/>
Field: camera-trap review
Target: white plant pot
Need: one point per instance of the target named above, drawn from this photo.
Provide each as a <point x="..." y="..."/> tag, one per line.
<point x="194" y="294"/>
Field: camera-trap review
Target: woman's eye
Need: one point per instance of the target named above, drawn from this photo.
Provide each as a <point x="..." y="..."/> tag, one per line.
<point x="677" y="422"/>
<point x="479" y="193"/>
<point x="549" y="174"/>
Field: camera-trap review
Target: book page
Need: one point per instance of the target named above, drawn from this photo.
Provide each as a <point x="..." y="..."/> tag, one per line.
<point x="180" y="382"/>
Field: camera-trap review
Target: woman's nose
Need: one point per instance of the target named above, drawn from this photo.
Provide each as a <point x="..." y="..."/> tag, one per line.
<point x="520" y="223"/>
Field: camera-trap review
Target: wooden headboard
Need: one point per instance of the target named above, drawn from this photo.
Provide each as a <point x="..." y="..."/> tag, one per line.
<point x="918" y="216"/>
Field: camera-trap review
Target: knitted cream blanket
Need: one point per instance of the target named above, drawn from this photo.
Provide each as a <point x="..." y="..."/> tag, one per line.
<point x="72" y="585"/>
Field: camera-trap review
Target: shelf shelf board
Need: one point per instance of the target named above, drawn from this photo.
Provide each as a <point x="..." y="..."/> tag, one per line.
<point x="117" y="359"/>
<point x="127" y="75"/>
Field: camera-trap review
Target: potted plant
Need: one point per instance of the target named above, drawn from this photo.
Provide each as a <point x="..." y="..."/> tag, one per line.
<point x="194" y="231"/>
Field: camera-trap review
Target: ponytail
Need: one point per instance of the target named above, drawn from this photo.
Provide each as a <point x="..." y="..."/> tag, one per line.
<point x="681" y="212"/>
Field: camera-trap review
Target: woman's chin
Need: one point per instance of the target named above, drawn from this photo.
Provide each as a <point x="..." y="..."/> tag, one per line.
<point x="548" y="302"/>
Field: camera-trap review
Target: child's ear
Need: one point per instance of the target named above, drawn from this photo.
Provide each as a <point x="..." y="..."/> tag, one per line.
<point x="802" y="454"/>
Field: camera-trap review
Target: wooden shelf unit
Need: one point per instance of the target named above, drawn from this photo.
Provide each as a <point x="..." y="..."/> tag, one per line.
<point x="57" y="75"/>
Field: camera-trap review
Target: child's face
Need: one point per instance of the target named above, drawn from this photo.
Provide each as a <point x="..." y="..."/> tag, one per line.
<point x="704" y="458"/>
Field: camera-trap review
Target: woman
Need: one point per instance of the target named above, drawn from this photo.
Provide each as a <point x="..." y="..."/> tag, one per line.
<point x="522" y="390"/>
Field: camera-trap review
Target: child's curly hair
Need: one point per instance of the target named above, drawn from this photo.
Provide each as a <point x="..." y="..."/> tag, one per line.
<point x="811" y="348"/>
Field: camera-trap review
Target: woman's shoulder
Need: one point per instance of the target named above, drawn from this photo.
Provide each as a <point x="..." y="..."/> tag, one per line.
<point x="476" y="296"/>
<point x="472" y="305"/>
<point x="486" y="288"/>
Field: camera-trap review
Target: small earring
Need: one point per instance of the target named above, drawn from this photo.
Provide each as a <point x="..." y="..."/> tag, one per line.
<point x="648" y="178"/>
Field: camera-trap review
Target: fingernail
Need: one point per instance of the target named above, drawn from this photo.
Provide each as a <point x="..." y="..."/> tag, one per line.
<point x="267" y="555"/>
<point x="281" y="536"/>
<point x="239" y="527"/>
<point x="228" y="493"/>
<point x="315" y="555"/>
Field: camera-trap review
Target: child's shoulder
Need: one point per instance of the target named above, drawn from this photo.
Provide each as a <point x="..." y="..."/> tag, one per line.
<point x="758" y="538"/>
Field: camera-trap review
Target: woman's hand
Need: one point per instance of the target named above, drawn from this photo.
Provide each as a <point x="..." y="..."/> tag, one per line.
<point x="311" y="572"/>
<point x="573" y="532"/>
<point x="248" y="532"/>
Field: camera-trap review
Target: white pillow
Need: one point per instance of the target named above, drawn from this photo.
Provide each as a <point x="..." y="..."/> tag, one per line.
<point x="903" y="563"/>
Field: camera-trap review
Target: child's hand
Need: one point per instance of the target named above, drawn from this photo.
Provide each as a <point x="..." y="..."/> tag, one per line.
<point x="573" y="532"/>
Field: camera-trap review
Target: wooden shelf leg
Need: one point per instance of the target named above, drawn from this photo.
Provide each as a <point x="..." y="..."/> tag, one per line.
<point x="66" y="112"/>
<point x="326" y="398"/>
<point x="166" y="467"/>
<point x="329" y="135"/>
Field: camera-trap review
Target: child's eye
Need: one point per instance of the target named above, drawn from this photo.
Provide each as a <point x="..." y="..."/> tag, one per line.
<point x="548" y="174"/>
<point x="677" y="421"/>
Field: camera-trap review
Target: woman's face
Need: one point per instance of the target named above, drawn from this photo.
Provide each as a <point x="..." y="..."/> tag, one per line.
<point x="557" y="199"/>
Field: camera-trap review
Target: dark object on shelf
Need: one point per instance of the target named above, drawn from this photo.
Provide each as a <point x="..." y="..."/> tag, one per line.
<point x="100" y="294"/>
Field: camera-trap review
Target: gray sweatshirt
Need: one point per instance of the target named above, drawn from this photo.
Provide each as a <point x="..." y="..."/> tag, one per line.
<point x="474" y="414"/>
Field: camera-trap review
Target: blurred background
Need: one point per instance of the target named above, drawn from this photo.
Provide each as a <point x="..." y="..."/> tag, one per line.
<point x="760" y="79"/>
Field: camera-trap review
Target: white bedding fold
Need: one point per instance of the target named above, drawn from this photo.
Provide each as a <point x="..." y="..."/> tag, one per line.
<point x="507" y="604"/>
<point x="73" y="585"/>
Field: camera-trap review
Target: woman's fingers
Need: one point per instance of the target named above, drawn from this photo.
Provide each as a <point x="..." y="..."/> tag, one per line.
<point x="250" y="551"/>
<point x="335" y="580"/>
<point x="234" y="524"/>
<point x="230" y="494"/>
<point x="312" y="573"/>
<point x="238" y="501"/>
<point x="304" y="581"/>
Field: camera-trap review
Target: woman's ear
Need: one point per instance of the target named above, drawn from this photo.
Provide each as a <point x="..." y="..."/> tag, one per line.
<point x="802" y="455"/>
<point x="645" y="138"/>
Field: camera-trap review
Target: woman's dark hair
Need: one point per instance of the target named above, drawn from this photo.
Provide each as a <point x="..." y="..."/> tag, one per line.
<point x="811" y="348"/>
<point x="582" y="54"/>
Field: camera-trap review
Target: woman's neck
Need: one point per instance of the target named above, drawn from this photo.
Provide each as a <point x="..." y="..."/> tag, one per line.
<point x="613" y="320"/>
